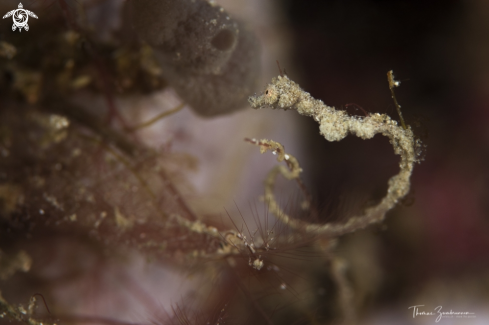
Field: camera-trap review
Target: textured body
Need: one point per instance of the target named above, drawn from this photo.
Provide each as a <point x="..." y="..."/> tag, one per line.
<point x="335" y="125"/>
<point x="210" y="60"/>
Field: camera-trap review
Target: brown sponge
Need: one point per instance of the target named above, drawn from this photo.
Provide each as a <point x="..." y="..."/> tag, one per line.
<point x="209" y="58"/>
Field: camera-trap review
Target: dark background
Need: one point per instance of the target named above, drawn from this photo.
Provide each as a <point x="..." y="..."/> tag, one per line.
<point x="439" y="51"/>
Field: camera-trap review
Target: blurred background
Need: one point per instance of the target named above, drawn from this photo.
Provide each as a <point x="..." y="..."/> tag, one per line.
<point x="432" y="250"/>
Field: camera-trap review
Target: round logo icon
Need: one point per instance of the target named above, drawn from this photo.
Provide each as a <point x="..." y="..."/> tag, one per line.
<point x="20" y="17"/>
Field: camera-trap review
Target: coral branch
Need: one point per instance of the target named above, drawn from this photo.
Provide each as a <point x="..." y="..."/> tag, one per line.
<point x="19" y="313"/>
<point x="156" y="118"/>
<point x="290" y="174"/>
<point x="393" y="84"/>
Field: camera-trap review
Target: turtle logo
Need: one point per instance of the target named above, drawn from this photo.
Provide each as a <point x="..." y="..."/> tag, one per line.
<point x="20" y="16"/>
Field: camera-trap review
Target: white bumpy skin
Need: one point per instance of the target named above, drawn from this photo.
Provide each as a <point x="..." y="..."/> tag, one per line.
<point x="335" y="125"/>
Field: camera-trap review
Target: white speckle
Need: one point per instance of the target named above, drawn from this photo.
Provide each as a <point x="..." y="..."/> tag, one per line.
<point x="283" y="286"/>
<point x="257" y="264"/>
<point x="286" y="157"/>
<point x="59" y="122"/>
<point x="76" y="152"/>
<point x="41" y="211"/>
